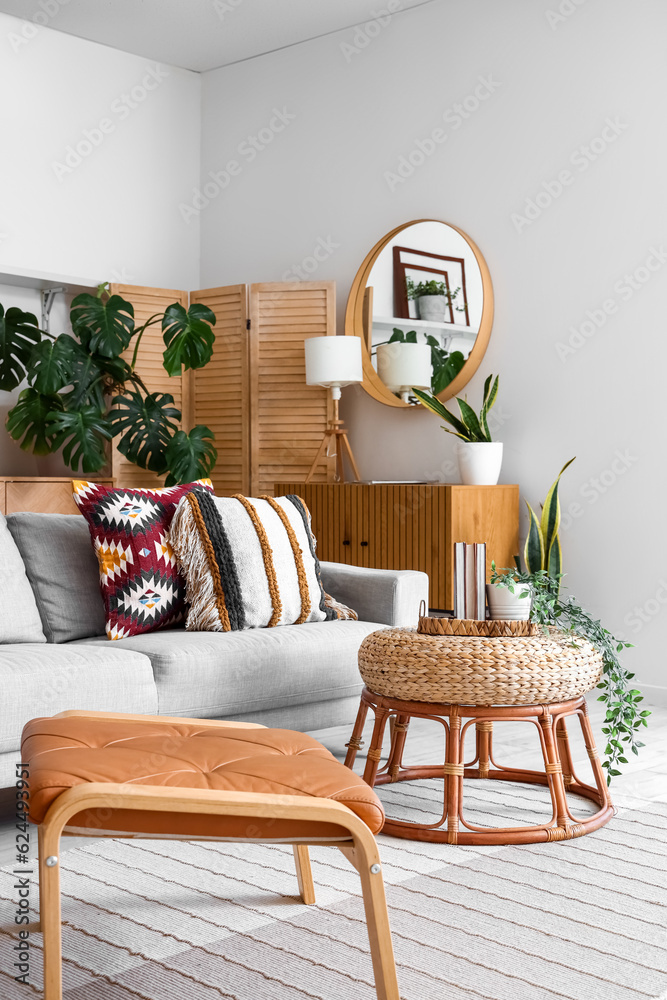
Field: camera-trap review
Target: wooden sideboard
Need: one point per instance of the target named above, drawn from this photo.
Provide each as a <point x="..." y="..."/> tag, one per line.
<point x="411" y="526"/>
<point x="40" y="494"/>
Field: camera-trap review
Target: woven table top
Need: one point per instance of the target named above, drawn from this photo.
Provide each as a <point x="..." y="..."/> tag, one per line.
<point x="518" y="670"/>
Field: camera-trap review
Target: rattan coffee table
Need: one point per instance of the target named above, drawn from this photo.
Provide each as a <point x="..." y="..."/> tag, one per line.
<point x="451" y="679"/>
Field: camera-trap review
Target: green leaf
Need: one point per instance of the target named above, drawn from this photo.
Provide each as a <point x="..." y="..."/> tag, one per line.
<point x="435" y="406"/>
<point x="190" y="456"/>
<point x="469" y="418"/>
<point x="551" y="512"/>
<point x="533" y="552"/>
<point x="27" y="421"/>
<point x="18" y="335"/>
<point x="446" y="371"/>
<point x="398" y="336"/>
<point x="147" y="425"/>
<point x="411" y="337"/>
<point x="188" y="336"/>
<point x="82" y="435"/>
<point x="48" y="368"/>
<point x="105" y="327"/>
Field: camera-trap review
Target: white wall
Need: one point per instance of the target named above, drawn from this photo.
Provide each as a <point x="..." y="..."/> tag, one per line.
<point x="111" y="213"/>
<point x="552" y="85"/>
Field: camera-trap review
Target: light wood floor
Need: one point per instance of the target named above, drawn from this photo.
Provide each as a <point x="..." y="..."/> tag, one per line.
<point x="644" y="778"/>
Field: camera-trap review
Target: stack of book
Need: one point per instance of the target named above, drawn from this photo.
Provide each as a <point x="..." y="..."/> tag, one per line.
<point x="470" y="580"/>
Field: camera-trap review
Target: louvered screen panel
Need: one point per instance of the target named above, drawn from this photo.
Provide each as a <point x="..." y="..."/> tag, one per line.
<point x="147" y="302"/>
<point x="288" y="418"/>
<point x="221" y="389"/>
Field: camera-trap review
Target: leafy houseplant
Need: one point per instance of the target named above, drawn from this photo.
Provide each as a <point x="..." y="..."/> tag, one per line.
<point x="479" y="457"/>
<point x="433" y="298"/>
<point x="542" y="550"/>
<point x="624" y="716"/>
<point x="82" y="392"/>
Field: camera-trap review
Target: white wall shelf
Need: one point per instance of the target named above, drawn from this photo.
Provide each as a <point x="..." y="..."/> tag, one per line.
<point x="423" y="326"/>
<point x="24" y="278"/>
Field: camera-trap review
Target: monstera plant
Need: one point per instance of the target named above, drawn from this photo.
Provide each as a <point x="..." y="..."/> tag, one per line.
<point x="83" y="392"/>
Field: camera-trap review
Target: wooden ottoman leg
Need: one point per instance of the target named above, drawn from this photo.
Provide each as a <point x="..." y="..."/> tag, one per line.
<point x="594" y="757"/>
<point x="375" y="751"/>
<point x="484" y="731"/>
<point x="453" y="771"/>
<point x="564" y="752"/>
<point x="49" y="910"/>
<point x="554" y="770"/>
<point x="399" y="732"/>
<point x="304" y="873"/>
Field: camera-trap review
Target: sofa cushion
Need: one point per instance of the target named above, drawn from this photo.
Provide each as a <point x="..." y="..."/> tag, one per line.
<point x="46" y="679"/>
<point x="19" y="620"/>
<point x="249" y="563"/>
<point x="62" y="570"/>
<point x="142" y="586"/>
<point x="222" y="674"/>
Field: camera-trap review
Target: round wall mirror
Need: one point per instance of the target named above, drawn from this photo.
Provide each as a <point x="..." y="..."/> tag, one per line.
<point x="422" y="304"/>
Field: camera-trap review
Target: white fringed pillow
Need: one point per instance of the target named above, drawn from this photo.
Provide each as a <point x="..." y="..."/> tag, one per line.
<point x="249" y="563"/>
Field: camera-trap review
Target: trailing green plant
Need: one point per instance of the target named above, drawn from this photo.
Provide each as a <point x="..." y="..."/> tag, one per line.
<point x="82" y="392"/>
<point x="542" y="549"/>
<point x="623" y="716"/>
<point x="446" y="366"/>
<point x="470" y="427"/>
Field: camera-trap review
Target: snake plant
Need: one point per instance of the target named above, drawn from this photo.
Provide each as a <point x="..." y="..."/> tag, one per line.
<point x="542" y="550"/>
<point x="470" y="427"/>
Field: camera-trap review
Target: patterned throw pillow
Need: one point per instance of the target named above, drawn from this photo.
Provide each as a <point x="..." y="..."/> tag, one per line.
<point x="249" y="563"/>
<point x="141" y="584"/>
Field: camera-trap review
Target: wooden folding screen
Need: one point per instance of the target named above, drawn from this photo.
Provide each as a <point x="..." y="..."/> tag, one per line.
<point x="287" y="418"/>
<point x="147" y="302"/>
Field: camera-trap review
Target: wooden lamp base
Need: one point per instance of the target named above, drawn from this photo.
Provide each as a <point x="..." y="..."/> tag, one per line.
<point x="336" y="433"/>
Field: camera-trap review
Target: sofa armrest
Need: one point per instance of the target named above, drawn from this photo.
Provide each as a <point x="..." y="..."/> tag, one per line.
<point x="385" y="596"/>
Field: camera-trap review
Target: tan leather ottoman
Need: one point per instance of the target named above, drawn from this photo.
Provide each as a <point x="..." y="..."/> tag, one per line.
<point x="101" y="774"/>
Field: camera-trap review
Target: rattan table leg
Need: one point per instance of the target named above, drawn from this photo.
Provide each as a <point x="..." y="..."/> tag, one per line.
<point x="356" y="742"/>
<point x="594" y="757"/>
<point x="484" y="732"/>
<point x="453" y="770"/>
<point x="564" y="752"/>
<point x="399" y="732"/>
<point x="554" y="770"/>
<point x="375" y="749"/>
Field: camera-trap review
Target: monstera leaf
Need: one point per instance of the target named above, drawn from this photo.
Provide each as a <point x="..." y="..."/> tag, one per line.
<point x="18" y="335"/>
<point x="104" y="327"/>
<point x="446" y="371"/>
<point x="82" y="435"/>
<point x="49" y="368"/>
<point x="27" y="422"/>
<point x="188" y="336"/>
<point x="190" y="456"/>
<point x="147" y="425"/>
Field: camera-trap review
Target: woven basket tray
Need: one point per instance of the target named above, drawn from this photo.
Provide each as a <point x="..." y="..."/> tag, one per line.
<point x="470" y="670"/>
<point x="469" y="626"/>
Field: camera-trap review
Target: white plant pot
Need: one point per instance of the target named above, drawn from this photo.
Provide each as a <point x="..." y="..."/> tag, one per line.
<point x="507" y="606"/>
<point x="479" y="462"/>
<point x="433" y="307"/>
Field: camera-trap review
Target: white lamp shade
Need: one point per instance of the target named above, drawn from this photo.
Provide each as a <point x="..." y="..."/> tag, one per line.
<point x="333" y="361"/>
<point x="404" y="366"/>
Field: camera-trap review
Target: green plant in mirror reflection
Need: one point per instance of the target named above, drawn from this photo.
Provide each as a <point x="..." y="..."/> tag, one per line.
<point x="446" y="366"/>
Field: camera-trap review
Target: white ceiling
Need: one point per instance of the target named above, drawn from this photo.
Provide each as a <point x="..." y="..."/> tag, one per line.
<point x="201" y="34"/>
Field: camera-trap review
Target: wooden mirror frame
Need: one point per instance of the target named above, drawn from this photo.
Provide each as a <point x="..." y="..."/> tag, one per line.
<point x="354" y="326"/>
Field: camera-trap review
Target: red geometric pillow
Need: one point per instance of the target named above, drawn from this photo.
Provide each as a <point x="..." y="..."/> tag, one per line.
<point x="139" y="578"/>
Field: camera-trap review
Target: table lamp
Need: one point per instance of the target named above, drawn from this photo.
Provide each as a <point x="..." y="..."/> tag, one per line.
<point x="403" y="367"/>
<point x="334" y="362"/>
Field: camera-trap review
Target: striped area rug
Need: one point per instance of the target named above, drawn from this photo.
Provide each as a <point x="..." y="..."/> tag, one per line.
<point x="584" y="920"/>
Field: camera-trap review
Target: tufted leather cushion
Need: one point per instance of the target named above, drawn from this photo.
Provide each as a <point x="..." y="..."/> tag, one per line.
<point x="63" y="752"/>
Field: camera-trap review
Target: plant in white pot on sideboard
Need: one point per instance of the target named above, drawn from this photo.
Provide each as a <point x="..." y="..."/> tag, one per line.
<point x="479" y="457"/>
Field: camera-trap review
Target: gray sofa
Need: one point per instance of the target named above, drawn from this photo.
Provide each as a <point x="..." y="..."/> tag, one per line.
<point x="54" y="654"/>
